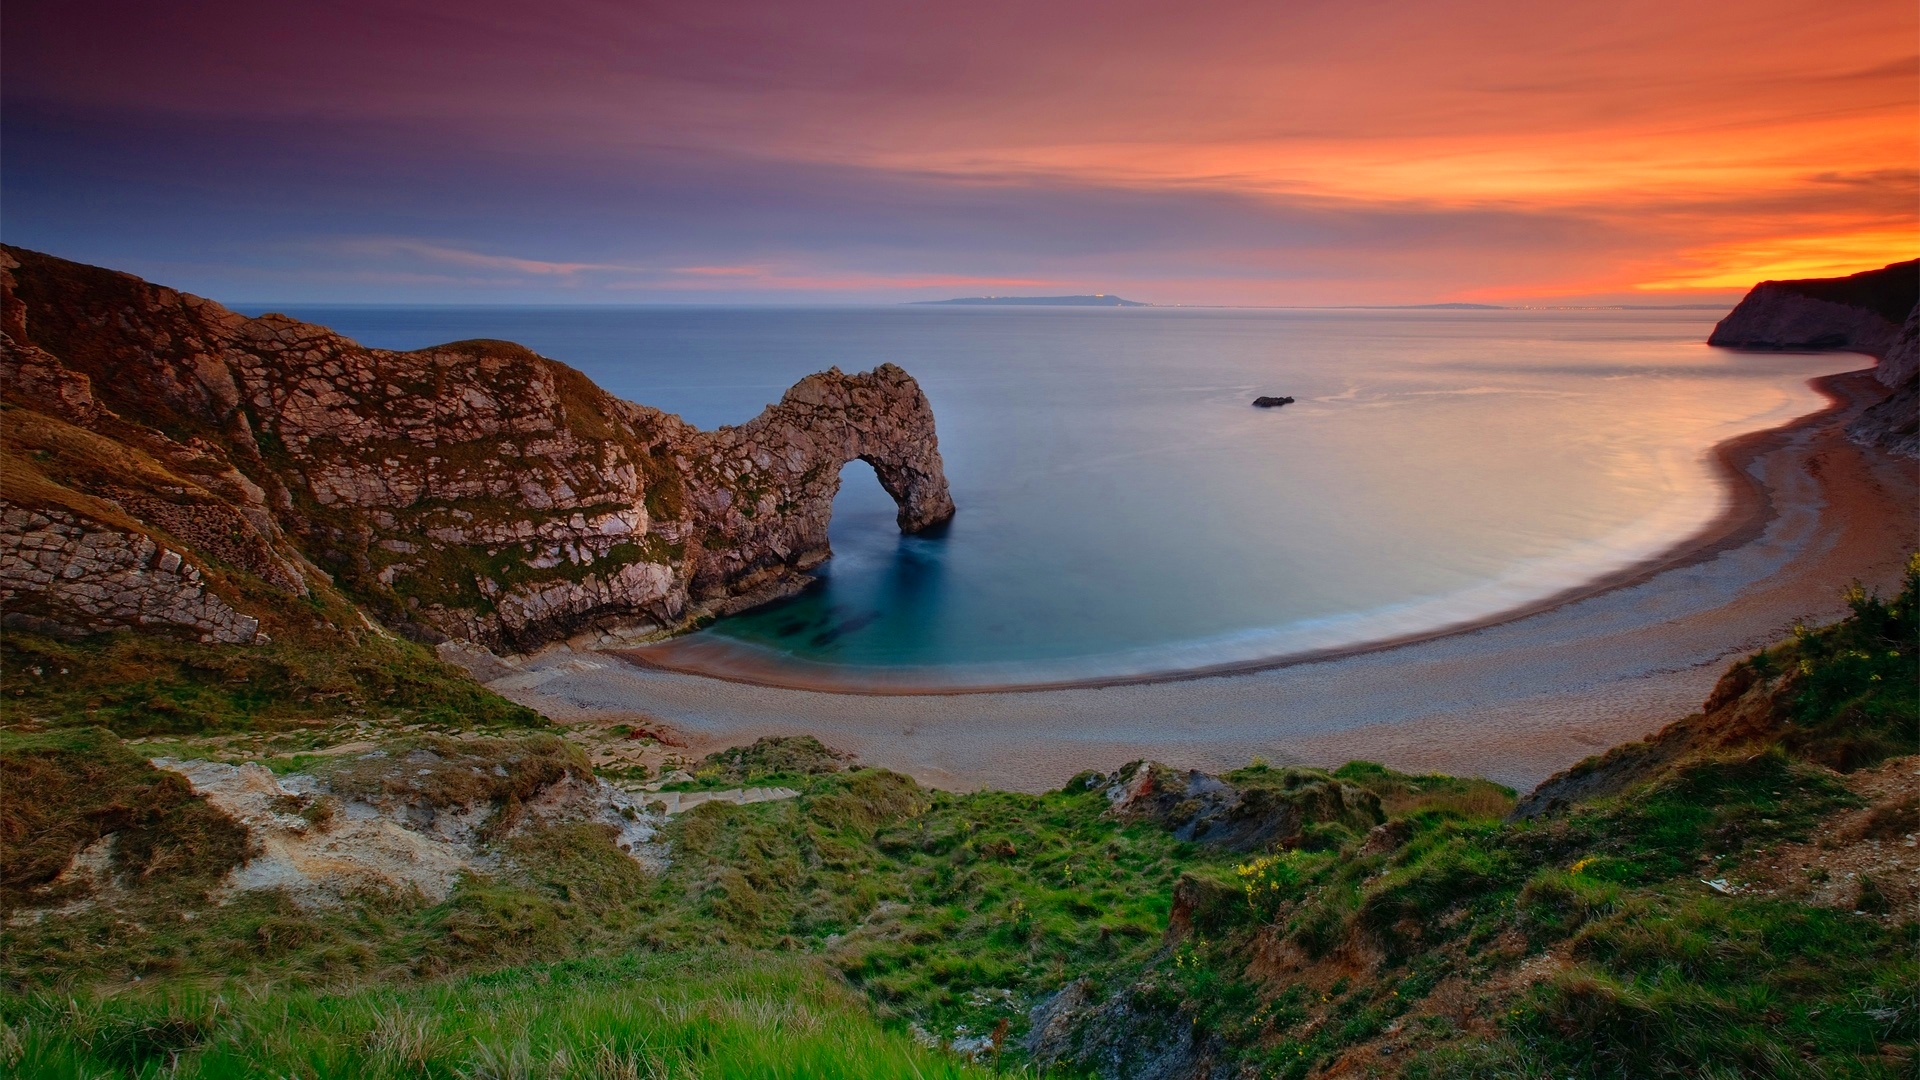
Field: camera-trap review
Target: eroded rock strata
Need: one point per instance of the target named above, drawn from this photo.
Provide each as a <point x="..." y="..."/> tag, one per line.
<point x="1876" y="312"/>
<point x="105" y="579"/>
<point x="474" y="490"/>
<point x="1895" y="422"/>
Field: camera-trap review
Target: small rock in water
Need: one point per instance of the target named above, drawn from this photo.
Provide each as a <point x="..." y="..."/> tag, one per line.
<point x="1271" y="402"/>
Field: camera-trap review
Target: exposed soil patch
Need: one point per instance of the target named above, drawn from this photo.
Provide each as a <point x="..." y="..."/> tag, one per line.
<point x="409" y="818"/>
<point x="1864" y="860"/>
<point x="630" y="749"/>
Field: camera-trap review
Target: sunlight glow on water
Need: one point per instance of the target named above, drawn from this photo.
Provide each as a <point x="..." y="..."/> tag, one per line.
<point x="1123" y="509"/>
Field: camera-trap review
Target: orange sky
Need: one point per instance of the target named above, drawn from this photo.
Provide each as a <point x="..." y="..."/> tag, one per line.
<point x="1197" y="152"/>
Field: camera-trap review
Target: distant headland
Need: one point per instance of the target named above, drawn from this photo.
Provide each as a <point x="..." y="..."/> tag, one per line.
<point x="1094" y="300"/>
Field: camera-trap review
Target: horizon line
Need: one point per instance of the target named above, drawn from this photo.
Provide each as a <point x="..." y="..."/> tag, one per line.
<point x="276" y="306"/>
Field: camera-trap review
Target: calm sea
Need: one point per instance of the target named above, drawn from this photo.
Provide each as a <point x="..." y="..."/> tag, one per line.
<point x="1123" y="508"/>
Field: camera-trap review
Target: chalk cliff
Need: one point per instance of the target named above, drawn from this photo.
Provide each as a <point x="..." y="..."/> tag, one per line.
<point x="173" y="464"/>
<point x="1876" y="312"/>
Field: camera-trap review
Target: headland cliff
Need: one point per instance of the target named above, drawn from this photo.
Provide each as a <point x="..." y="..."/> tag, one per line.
<point x="1876" y="312"/>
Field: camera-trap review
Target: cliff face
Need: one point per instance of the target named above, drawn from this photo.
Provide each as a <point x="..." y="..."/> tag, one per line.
<point x="1895" y="422"/>
<point x="1873" y="312"/>
<point x="473" y="490"/>
<point x="1861" y="312"/>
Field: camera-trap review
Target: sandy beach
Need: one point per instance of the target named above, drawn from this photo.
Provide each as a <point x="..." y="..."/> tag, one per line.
<point x="1512" y="699"/>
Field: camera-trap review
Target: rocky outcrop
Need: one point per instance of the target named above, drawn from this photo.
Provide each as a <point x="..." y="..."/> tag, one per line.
<point x="414" y="820"/>
<point x="1861" y="312"/>
<point x="1895" y="422"/>
<point x="1253" y="810"/>
<point x="1872" y="312"/>
<point x="60" y="572"/>
<point x="1131" y="1034"/>
<point x="472" y="491"/>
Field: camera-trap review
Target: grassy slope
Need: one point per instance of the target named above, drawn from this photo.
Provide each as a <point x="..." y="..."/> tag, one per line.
<point x="140" y="685"/>
<point x="1656" y="974"/>
<point x="696" y="1015"/>
<point x="86" y="784"/>
<point x="958" y="913"/>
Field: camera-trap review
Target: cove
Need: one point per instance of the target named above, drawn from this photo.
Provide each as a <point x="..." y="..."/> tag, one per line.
<point x="1125" y="511"/>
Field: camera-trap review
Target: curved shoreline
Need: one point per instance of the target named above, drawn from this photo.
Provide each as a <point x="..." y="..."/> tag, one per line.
<point x="1750" y="509"/>
<point x="1513" y="702"/>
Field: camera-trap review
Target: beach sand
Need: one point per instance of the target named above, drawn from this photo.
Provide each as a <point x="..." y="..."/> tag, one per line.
<point x="1513" y="700"/>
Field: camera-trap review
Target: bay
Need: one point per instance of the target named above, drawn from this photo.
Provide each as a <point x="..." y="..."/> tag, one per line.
<point x="1123" y="508"/>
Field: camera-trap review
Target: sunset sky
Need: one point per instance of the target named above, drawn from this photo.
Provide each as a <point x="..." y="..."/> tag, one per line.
<point x="575" y="151"/>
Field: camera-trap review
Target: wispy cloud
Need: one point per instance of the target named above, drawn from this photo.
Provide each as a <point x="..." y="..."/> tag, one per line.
<point x="479" y="260"/>
<point x="809" y="276"/>
<point x="824" y="279"/>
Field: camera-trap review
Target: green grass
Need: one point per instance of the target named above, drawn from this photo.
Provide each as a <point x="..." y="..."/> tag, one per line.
<point x="61" y="791"/>
<point x="1670" y="983"/>
<point x="958" y="913"/>
<point x="138" y="684"/>
<point x="790" y="761"/>
<point x="1858" y="695"/>
<point x="696" y="1015"/>
<point x="1673" y="981"/>
<point x="1667" y="979"/>
<point x="961" y="912"/>
<point x="947" y="909"/>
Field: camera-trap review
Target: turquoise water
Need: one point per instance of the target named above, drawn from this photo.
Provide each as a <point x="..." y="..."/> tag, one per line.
<point x="1123" y="509"/>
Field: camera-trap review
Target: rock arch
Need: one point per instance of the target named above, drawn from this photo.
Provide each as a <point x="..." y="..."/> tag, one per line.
<point x="782" y="471"/>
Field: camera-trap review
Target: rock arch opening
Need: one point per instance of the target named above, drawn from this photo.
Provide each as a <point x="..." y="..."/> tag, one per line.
<point x="863" y="509"/>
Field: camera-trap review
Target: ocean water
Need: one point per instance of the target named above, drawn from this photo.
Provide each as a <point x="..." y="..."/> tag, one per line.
<point x="1123" y="510"/>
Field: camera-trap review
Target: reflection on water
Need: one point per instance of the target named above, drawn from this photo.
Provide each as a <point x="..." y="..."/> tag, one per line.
<point x="1123" y="508"/>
